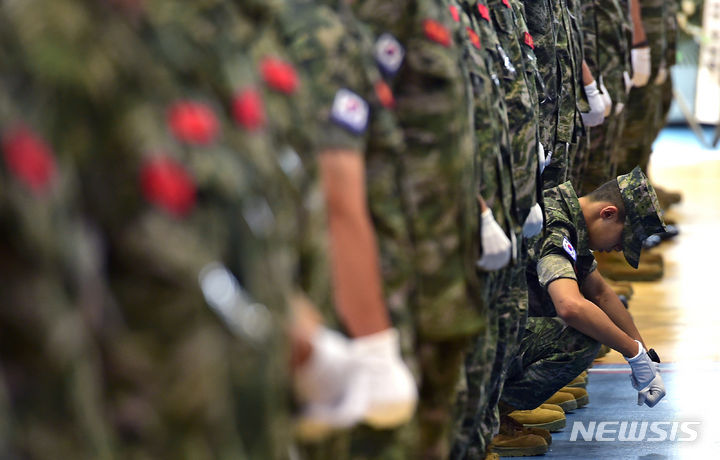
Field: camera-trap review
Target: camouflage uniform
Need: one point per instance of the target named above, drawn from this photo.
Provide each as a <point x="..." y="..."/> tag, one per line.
<point x="561" y="156"/>
<point x="552" y="353"/>
<point x="644" y="113"/>
<point x="494" y="162"/>
<point x="510" y="47"/>
<point x="542" y="26"/>
<point x="579" y="145"/>
<point x="51" y="286"/>
<point x="352" y="103"/>
<point x="607" y="39"/>
<point x="437" y="290"/>
<point x="174" y="185"/>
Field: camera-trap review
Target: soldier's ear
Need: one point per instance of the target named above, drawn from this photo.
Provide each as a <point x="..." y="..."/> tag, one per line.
<point x="609" y="212"/>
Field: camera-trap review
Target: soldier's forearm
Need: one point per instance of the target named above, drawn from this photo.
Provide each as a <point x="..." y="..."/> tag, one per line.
<point x="638" y="31"/>
<point x="354" y="254"/>
<point x="594" y="322"/>
<point x="610" y="303"/>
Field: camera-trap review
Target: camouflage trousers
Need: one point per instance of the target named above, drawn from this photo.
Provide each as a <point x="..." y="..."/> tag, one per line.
<point x="551" y="354"/>
<point x="643" y="116"/>
<point x="487" y="362"/>
<point x="602" y="157"/>
<point x="579" y="157"/>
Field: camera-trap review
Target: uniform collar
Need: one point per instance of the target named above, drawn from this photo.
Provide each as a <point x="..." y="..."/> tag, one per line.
<point x="567" y="192"/>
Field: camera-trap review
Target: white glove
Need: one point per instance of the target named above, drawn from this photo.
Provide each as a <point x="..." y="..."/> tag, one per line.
<point x="534" y="222"/>
<point x="330" y="387"/>
<point x="542" y="161"/>
<point x="392" y="392"/>
<point x="628" y="82"/>
<point x="495" y="245"/>
<point x="641" y="66"/>
<point x="619" y="107"/>
<point x="643" y="369"/>
<point x="654" y="392"/>
<point x="607" y="100"/>
<point x="662" y="74"/>
<point x="595" y="116"/>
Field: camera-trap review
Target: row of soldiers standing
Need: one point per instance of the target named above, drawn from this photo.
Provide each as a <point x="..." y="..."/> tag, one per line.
<point x="165" y="204"/>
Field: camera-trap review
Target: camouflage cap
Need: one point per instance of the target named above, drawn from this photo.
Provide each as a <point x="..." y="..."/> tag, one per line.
<point x="643" y="216"/>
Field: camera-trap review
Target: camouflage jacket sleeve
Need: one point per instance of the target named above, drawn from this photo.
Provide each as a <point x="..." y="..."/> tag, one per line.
<point x="350" y="99"/>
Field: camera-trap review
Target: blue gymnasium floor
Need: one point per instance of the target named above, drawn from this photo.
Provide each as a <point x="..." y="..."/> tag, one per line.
<point x="689" y="411"/>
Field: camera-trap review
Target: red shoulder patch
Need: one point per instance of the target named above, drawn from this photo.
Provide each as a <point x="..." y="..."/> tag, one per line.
<point x="29" y="158"/>
<point x="454" y="12"/>
<point x="384" y="94"/>
<point x="529" y="40"/>
<point x="484" y="12"/>
<point x="474" y="39"/>
<point x="166" y="184"/>
<point x="193" y="122"/>
<point x="506" y="3"/>
<point x="279" y="75"/>
<point x="248" y="109"/>
<point x="436" y="32"/>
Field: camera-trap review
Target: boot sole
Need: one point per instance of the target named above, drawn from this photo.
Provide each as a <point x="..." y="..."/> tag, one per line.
<point x="568" y="406"/>
<point x="582" y="401"/>
<point x="519" y="451"/>
<point x="555" y="425"/>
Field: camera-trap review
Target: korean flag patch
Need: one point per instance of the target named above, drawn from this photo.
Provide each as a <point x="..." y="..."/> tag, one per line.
<point x="389" y="54"/>
<point x="350" y="111"/>
<point x="569" y="249"/>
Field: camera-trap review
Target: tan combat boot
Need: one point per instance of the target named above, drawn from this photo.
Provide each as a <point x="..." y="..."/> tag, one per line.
<point x="554" y="407"/>
<point x="580" y="395"/>
<point x="518" y="445"/>
<point x="577" y="382"/>
<point x="545" y="419"/>
<point x="622" y="288"/>
<point x="563" y="399"/>
<point x="509" y="424"/>
<point x="613" y="266"/>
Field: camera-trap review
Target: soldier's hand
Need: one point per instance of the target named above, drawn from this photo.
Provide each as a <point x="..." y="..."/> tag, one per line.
<point x="496" y="246"/>
<point x="641" y="66"/>
<point x="607" y="100"/>
<point x="329" y="386"/>
<point x="595" y="116"/>
<point x="534" y="222"/>
<point x="392" y="392"/>
<point x="643" y="369"/>
<point x="543" y="160"/>
<point x="653" y="393"/>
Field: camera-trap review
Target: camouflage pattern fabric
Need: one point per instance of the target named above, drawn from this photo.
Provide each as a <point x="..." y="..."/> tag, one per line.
<point x="607" y="36"/>
<point x="643" y="215"/>
<point x="645" y="105"/>
<point x="550" y="351"/>
<point x="558" y="169"/>
<point x="550" y="355"/>
<point x="564" y="246"/>
<point x="502" y="25"/>
<point x="493" y="152"/>
<point x="175" y="155"/>
<point x="52" y="289"/>
<point x="443" y="295"/>
<point x="542" y="26"/>
<point x="518" y="78"/>
<point x="336" y="51"/>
